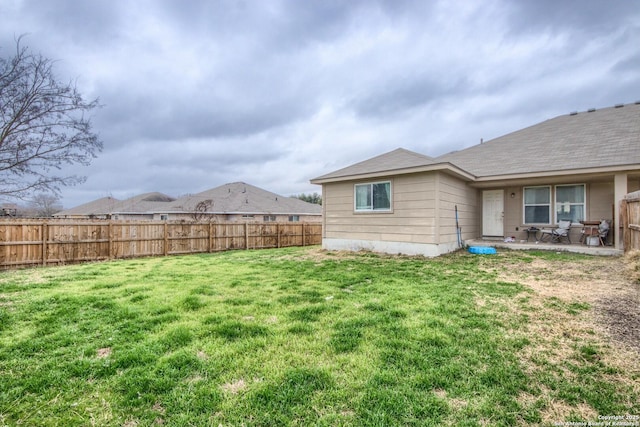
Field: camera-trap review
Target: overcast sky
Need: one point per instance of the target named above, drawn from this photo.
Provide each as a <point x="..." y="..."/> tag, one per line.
<point x="199" y="93"/>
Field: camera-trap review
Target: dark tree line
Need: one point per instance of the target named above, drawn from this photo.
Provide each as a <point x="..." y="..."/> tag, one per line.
<point x="311" y="198"/>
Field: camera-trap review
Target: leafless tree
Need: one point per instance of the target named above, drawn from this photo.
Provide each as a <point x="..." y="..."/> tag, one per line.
<point x="45" y="205"/>
<point x="314" y="198"/>
<point x="43" y="126"/>
<point x="200" y="211"/>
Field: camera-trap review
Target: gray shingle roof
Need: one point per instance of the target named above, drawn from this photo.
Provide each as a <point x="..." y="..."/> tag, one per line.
<point x="609" y="137"/>
<point x="142" y="203"/>
<point x="96" y="207"/>
<point x="394" y="160"/>
<point x="602" y="138"/>
<point x="239" y="197"/>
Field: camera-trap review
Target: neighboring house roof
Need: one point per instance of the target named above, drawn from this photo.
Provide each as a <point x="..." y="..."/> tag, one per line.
<point x="234" y="198"/>
<point x="239" y="197"/>
<point x="96" y="207"/>
<point x="143" y="203"/>
<point x="606" y="139"/>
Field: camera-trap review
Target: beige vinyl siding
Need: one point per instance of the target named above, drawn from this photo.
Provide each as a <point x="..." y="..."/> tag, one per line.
<point x="423" y="210"/>
<point x="411" y="219"/>
<point x="513" y="213"/>
<point x="455" y="192"/>
<point x="141" y="217"/>
<point x="600" y="199"/>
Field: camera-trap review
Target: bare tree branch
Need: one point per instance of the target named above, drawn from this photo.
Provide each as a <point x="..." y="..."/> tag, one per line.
<point x="200" y="210"/>
<point x="44" y="126"/>
<point x="45" y="205"/>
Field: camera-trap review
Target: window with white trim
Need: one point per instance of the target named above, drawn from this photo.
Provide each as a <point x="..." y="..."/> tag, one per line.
<point x="269" y="218"/>
<point x="375" y="196"/>
<point x="294" y="218"/>
<point x="537" y="205"/>
<point x="570" y="203"/>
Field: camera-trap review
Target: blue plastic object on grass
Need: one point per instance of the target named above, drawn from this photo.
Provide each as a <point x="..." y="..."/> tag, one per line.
<point x="483" y="250"/>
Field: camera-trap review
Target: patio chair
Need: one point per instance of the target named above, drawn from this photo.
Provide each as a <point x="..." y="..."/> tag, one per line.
<point x="555" y="235"/>
<point x="603" y="231"/>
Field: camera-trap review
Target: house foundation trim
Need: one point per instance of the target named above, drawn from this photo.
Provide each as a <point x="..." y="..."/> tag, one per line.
<point x="404" y="248"/>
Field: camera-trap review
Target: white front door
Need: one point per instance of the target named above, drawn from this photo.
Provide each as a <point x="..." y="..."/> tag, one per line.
<point x="493" y="213"/>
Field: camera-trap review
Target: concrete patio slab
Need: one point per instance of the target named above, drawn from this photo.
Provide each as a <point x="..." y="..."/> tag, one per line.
<point x="542" y="246"/>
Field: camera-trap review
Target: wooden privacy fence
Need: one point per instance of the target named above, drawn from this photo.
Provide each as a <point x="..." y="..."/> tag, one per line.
<point x="44" y="242"/>
<point x="630" y="212"/>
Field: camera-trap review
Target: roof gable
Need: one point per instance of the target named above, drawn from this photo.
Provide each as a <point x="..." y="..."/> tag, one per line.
<point x="397" y="159"/>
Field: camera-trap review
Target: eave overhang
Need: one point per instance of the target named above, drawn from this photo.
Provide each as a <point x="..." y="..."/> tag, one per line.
<point x="566" y="174"/>
<point x="437" y="167"/>
<point x="493" y="180"/>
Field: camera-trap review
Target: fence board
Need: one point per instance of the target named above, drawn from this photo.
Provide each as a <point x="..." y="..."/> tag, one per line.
<point x="630" y="209"/>
<point x="25" y="242"/>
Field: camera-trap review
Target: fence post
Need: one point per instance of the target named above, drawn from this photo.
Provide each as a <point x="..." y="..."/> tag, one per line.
<point x="166" y="239"/>
<point x="625" y="229"/>
<point x="210" y="237"/>
<point x="278" y="234"/>
<point x="302" y="225"/>
<point x="45" y="236"/>
<point x="246" y="235"/>
<point x="110" y="237"/>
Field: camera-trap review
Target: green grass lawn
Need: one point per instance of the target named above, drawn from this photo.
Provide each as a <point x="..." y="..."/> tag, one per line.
<point x="294" y="337"/>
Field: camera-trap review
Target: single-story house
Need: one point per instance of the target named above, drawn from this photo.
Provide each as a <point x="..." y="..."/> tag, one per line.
<point x="573" y="167"/>
<point x="241" y="202"/>
<point x="141" y="206"/>
<point x="233" y="202"/>
<point x="9" y="209"/>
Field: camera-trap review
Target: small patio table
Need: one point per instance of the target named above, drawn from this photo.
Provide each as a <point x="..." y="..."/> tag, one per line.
<point x="532" y="231"/>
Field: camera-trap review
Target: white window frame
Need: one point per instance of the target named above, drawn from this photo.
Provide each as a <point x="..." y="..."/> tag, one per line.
<point x="372" y="209"/>
<point x="268" y="218"/>
<point x="524" y="204"/>
<point x="294" y="218"/>
<point x="583" y="204"/>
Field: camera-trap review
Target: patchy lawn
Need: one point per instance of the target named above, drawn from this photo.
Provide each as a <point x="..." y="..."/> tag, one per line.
<point x="300" y="336"/>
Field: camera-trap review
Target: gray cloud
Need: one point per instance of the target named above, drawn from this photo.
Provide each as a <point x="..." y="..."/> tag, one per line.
<point x="87" y="24"/>
<point x="630" y="64"/>
<point x="583" y="17"/>
<point x="397" y="96"/>
<point x="276" y="92"/>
